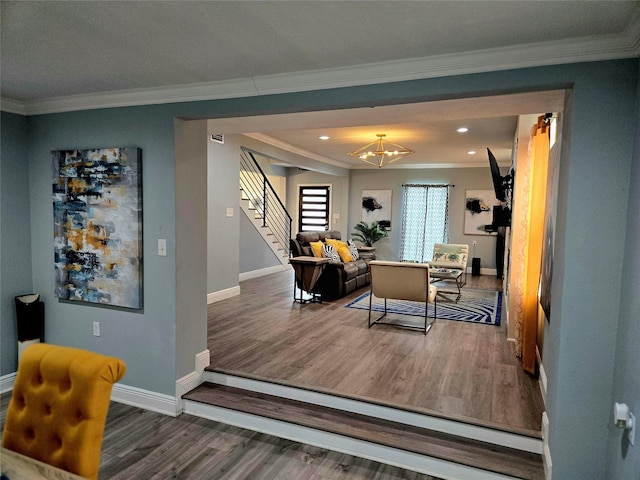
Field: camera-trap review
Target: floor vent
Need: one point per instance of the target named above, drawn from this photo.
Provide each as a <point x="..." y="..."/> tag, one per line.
<point x="217" y="137"/>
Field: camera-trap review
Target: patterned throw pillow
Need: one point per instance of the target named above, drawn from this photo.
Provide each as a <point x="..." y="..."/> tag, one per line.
<point x="329" y="252"/>
<point x="353" y="249"/>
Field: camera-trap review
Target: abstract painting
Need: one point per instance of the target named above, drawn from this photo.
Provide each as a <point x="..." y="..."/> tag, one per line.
<point x="97" y="217"/>
<point x="376" y="207"/>
<point x="478" y="211"/>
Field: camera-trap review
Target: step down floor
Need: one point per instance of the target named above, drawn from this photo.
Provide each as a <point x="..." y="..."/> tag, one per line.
<point x="469" y="458"/>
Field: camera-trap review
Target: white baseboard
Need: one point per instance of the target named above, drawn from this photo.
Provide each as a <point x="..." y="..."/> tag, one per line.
<point x="146" y="399"/>
<point x="484" y="271"/>
<point x="475" y="432"/>
<point x="133" y="396"/>
<point x="543" y="384"/>
<point x="546" y="453"/>
<point x="193" y="379"/>
<point x="338" y="443"/>
<point x="264" y="271"/>
<point x="6" y="382"/>
<point x="223" y="294"/>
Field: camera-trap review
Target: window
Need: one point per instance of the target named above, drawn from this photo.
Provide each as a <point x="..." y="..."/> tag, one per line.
<point x="425" y="221"/>
<point x="313" y="209"/>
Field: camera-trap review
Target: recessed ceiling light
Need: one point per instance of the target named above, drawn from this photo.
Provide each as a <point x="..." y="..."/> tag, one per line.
<point x="462" y="130"/>
<point x="472" y="152"/>
<point x="324" y="137"/>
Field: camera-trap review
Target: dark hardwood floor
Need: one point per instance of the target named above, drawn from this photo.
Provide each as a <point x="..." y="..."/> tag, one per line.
<point x="143" y="445"/>
<point x="459" y="370"/>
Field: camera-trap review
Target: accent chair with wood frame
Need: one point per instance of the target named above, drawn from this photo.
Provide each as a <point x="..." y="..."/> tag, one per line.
<point x="59" y="405"/>
<point x="402" y="281"/>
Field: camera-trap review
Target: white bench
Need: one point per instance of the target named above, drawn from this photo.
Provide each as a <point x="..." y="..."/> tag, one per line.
<point x="451" y="255"/>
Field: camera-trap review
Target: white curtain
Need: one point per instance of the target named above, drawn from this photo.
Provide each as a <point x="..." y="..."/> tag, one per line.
<point x="425" y="221"/>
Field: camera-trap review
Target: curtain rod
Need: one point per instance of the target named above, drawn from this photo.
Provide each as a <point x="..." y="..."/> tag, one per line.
<point x="428" y="185"/>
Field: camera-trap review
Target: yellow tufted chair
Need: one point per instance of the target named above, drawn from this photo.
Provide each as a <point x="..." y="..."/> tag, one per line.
<point x="59" y="406"/>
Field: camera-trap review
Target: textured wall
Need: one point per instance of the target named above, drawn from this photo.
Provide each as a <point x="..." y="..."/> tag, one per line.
<point x="15" y="233"/>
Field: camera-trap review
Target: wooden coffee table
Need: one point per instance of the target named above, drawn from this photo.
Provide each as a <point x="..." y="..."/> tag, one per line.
<point x="447" y="275"/>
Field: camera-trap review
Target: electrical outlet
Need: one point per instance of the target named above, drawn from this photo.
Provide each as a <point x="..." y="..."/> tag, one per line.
<point x="475" y="243"/>
<point x="96" y="329"/>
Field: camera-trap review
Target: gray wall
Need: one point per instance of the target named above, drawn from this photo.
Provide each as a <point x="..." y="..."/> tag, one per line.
<point x="463" y="179"/>
<point x="15" y="232"/>
<point x="581" y="339"/>
<point x="623" y="458"/>
<point x="223" y="249"/>
<point x="255" y="254"/>
<point x="146" y="339"/>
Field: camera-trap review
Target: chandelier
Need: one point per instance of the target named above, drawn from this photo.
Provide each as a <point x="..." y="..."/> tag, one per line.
<point x="381" y="152"/>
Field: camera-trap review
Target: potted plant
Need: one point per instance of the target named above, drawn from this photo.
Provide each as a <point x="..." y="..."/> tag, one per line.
<point x="369" y="234"/>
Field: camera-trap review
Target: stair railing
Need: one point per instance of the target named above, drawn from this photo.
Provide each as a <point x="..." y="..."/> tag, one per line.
<point x="263" y="198"/>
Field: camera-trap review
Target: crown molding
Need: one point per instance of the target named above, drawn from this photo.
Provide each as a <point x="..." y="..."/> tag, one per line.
<point x="12" y="106"/>
<point x="625" y="45"/>
<point x="274" y="142"/>
<point x="144" y="96"/>
<point x="633" y="35"/>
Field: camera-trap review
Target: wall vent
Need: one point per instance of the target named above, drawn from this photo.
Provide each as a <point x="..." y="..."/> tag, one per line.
<point x="217" y="137"/>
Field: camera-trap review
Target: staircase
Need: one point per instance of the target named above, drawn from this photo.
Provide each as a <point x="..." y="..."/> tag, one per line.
<point x="434" y="445"/>
<point x="261" y="204"/>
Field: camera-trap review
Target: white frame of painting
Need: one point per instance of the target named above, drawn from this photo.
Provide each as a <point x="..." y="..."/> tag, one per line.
<point x="474" y="221"/>
<point x="383" y="214"/>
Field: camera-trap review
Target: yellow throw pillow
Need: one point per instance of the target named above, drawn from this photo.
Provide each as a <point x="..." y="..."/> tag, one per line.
<point x="345" y="254"/>
<point x="337" y="244"/>
<point x="316" y="247"/>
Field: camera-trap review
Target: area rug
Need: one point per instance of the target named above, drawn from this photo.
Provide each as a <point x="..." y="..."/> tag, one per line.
<point x="475" y="306"/>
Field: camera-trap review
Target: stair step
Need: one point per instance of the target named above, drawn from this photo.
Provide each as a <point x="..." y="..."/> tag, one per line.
<point x="475" y="454"/>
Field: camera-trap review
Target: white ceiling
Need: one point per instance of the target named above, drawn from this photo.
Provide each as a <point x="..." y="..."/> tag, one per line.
<point x="63" y="56"/>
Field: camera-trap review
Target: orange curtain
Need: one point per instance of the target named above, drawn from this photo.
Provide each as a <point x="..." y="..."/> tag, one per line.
<point x="527" y="243"/>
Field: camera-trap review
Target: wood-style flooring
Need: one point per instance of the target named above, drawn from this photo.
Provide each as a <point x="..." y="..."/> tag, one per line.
<point x="459" y="370"/>
<point x="143" y="445"/>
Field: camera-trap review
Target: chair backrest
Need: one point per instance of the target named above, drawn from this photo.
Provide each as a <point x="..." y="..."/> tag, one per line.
<point x="400" y="280"/>
<point x="453" y="255"/>
<point x="59" y="406"/>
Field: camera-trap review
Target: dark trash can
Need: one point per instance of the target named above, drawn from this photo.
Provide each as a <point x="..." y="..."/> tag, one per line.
<point x="30" y="318"/>
<point x="475" y="267"/>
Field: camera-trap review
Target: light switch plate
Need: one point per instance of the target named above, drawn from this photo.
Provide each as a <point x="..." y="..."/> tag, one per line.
<point x="96" y="329"/>
<point x="162" y="247"/>
<point x="230" y="212"/>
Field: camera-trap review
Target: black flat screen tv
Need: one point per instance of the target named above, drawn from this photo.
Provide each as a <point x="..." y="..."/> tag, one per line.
<point x="500" y="183"/>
